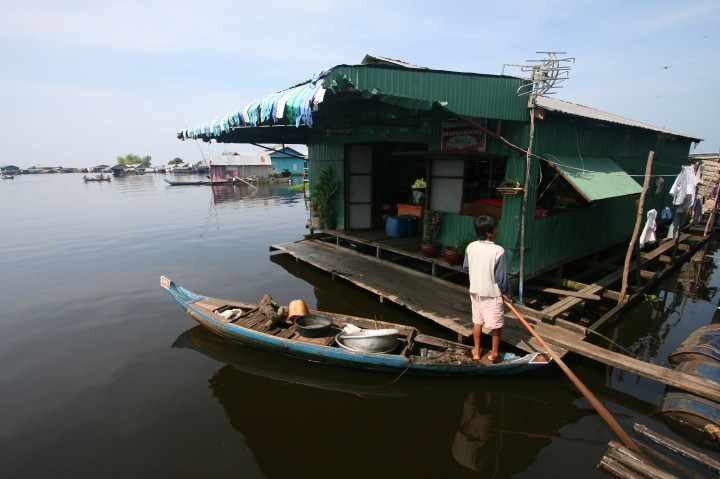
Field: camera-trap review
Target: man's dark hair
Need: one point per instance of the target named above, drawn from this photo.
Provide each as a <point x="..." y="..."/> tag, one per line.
<point x="484" y="224"/>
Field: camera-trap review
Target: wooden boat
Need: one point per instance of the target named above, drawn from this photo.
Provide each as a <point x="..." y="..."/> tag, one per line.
<point x="186" y="183"/>
<point x="8" y="177"/>
<point x="415" y="353"/>
<point x="97" y="178"/>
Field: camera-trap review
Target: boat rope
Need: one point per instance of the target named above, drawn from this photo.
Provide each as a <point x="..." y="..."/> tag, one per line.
<point x="629" y="353"/>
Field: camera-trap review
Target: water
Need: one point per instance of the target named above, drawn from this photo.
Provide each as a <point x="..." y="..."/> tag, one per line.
<point x="102" y="375"/>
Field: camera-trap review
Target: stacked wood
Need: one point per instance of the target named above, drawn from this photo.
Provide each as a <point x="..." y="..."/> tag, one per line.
<point x="620" y="461"/>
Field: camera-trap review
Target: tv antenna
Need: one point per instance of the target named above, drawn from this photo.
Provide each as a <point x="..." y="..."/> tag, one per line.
<point x="545" y="74"/>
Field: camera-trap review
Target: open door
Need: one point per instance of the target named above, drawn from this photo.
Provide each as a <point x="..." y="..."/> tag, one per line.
<point x="358" y="159"/>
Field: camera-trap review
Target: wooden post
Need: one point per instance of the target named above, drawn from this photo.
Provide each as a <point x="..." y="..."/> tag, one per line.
<point x="523" y="217"/>
<point x="636" y="231"/>
<point x="713" y="212"/>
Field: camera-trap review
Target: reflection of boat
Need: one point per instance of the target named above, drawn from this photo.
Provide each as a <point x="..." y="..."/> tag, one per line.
<point x="186" y="183"/>
<point x="415" y="353"/>
<point x="261" y="364"/>
<point x="97" y="178"/>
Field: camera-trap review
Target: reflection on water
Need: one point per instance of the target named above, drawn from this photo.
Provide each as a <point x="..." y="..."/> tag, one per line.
<point x="87" y="362"/>
<point x="311" y="413"/>
<point x="474" y="439"/>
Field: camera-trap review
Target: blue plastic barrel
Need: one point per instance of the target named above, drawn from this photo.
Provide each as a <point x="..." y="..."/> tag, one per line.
<point x="412" y="224"/>
<point x="396" y="226"/>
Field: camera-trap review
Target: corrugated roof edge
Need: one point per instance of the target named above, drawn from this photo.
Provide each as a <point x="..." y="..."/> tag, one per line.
<point x="388" y="66"/>
<point x="553" y="104"/>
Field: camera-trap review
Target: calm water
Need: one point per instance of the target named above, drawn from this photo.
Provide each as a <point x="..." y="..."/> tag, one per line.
<point x="102" y="375"/>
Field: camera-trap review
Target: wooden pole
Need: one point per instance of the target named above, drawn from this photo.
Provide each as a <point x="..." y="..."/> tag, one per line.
<point x="696" y="456"/>
<point x="526" y="190"/>
<point x="636" y="231"/>
<point x="592" y="399"/>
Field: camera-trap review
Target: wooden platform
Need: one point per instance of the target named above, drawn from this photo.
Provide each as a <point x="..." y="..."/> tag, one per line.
<point x="447" y="304"/>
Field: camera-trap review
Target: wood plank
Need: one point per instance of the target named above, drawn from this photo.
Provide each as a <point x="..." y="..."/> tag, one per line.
<point x="648" y="274"/>
<point x="429" y="297"/>
<point x="564" y="292"/>
<point x="554" y="310"/>
<point x="671" y="377"/>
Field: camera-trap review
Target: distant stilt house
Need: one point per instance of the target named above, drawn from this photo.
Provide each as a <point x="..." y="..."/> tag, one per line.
<point x="288" y="159"/>
<point x="97" y="169"/>
<point x="124" y="170"/>
<point x="233" y="166"/>
<point x="381" y="125"/>
<point x="10" y="170"/>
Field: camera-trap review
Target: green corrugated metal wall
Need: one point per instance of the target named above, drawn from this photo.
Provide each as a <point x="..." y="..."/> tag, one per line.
<point x="554" y="240"/>
<point x="464" y="94"/>
<point x="551" y="241"/>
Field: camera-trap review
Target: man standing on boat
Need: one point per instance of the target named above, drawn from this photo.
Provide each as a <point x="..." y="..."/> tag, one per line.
<point x="489" y="285"/>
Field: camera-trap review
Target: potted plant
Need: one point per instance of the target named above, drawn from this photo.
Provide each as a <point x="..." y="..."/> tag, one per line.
<point x="455" y="254"/>
<point x="418" y="189"/>
<point x="431" y="227"/>
<point x="509" y="187"/>
<point x="314" y="214"/>
<point x="321" y="193"/>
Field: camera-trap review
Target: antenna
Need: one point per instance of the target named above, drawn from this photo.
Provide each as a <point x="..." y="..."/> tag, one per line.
<point x="546" y="74"/>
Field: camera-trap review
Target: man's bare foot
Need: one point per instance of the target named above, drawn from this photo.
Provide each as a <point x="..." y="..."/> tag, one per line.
<point x="494" y="359"/>
<point x="476" y="354"/>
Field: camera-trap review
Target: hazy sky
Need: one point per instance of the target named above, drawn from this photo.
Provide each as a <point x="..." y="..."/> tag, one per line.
<point x="83" y="82"/>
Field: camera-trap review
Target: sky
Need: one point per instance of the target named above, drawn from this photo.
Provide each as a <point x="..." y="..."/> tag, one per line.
<point x="84" y="82"/>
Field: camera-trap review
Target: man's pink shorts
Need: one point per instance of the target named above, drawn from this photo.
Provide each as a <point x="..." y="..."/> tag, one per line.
<point x="488" y="311"/>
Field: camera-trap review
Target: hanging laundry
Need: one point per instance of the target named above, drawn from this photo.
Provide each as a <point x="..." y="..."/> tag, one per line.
<point x="659" y="183"/>
<point x="666" y="214"/>
<point x="648" y="233"/>
<point x="684" y="185"/>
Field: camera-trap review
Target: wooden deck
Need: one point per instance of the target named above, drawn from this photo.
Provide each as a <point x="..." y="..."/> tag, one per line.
<point x="379" y="264"/>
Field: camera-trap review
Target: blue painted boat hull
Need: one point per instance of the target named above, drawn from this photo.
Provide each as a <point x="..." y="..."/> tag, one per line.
<point x="442" y="357"/>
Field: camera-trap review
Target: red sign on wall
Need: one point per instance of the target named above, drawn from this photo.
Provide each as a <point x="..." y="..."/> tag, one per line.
<point x="459" y="136"/>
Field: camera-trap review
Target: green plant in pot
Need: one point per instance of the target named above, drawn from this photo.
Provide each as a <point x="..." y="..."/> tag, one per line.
<point x="431" y="227"/>
<point x="322" y="192"/>
<point x="455" y="254"/>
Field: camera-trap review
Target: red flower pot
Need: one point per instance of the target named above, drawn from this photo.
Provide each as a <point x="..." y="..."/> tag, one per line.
<point x="430" y="250"/>
<point x="454" y="256"/>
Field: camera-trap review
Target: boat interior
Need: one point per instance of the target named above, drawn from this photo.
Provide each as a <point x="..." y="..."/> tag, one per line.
<point x="409" y="341"/>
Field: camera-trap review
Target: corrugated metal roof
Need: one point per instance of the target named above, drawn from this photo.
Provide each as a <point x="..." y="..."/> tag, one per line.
<point x="392" y="82"/>
<point x="553" y="104"/>
<point x="595" y="178"/>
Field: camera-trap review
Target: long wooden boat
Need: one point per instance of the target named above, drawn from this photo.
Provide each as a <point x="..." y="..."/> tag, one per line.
<point x="186" y="183"/>
<point x="96" y="178"/>
<point x="415" y="353"/>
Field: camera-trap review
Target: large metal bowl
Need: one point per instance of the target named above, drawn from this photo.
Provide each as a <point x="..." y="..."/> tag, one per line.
<point x="369" y="341"/>
<point x="313" y="325"/>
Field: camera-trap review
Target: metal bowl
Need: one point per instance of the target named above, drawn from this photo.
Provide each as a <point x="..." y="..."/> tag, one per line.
<point x="369" y="341"/>
<point x="313" y="325"/>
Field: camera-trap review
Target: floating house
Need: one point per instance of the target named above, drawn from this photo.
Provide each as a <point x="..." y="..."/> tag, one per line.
<point x="231" y="166"/>
<point x="124" y="170"/>
<point x="289" y="159"/>
<point x="562" y="178"/>
<point x="10" y="170"/>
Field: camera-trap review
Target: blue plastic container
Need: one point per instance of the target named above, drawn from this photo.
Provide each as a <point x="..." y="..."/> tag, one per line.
<point x="396" y="226"/>
<point x="412" y="224"/>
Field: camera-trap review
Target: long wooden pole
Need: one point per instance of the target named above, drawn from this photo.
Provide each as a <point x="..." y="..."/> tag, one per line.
<point x="526" y="190"/>
<point x="636" y="231"/>
<point x="592" y="399"/>
<point x="711" y="220"/>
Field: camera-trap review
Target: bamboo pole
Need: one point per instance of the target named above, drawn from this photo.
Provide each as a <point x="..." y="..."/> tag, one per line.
<point x="711" y="220"/>
<point x="636" y="231"/>
<point x="592" y="399"/>
<point x="696" y="456"/>
<point x="526" y="190"/>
